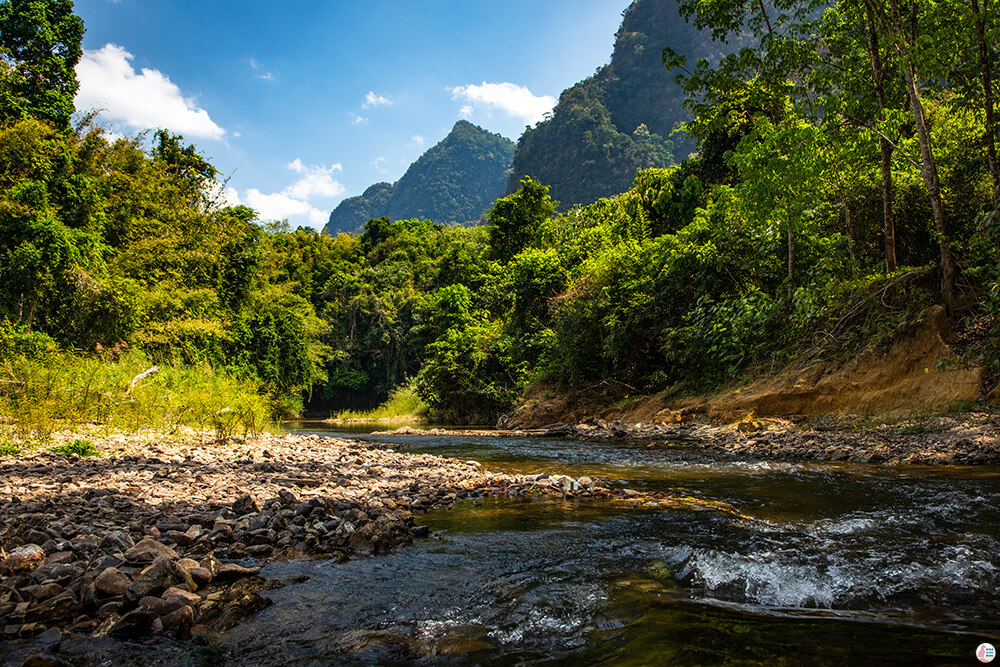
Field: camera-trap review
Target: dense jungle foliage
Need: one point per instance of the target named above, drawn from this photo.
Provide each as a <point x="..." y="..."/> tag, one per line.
<point x="845" y="179"/>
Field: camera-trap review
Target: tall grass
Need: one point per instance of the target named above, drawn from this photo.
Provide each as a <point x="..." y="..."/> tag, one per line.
<point x="403" y="403"/>
<point x="60" y="390"/>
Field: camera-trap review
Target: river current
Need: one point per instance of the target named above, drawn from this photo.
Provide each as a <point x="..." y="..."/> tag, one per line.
<point x="831" y="564"/>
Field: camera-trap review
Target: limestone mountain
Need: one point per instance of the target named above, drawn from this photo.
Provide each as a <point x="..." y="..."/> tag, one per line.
<point x="455" y="181"/>
<point x="620" y="120"/>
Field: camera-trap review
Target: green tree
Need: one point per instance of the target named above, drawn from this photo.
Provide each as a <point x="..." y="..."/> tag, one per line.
<point x="517" y="219"/>
<point x="42" y="41"/>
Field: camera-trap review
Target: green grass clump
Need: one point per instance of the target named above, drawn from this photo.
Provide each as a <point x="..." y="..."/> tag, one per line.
<point x="81" y="448"/>
<point x="403" y="403"/>
<point x="8" y="448"/>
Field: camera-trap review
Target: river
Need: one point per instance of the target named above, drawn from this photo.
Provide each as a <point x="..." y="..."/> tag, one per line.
<point x="833" y="564"/>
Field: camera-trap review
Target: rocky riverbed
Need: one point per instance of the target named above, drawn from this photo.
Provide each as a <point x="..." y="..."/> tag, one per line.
<point x="164" y="535"/>
<point x="968" y="439"/>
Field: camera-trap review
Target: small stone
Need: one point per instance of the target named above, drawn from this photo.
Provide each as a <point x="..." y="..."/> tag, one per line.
<point x="43" y="591"/>
<point x="23" y="560"/>
<point x="117" y="541"/>
<point x="49" y="637"/>
<point x="133" y="625"/>
<point x="159" y="606"/>
<point x="187" y="596"/>
<point x="112" y="583"/>
<point x="202" y="576"/>
<point x="179" y="622"/>
<point x="147" y="550"/>
<point x="245" y="505"/>
<point x="156" y="577"/>
<point x="59" y="558"/>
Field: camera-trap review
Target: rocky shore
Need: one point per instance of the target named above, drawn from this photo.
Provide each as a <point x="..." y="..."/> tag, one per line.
<point x="969" y="439"/>
<point x="165" y="535"/>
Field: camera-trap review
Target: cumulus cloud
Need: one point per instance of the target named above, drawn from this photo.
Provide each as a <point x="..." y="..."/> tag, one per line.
<point x="514" y="100"/>
<point x="279" y="206"/>
<point x="379" y="164"/>
<point x="373" y="100"/>
<point x="295" y="201"/>
<point x="418" y="140"/>
<point x="315" y="182"/>
<point x="144" y="100"/>
<point x="356" y="119"/>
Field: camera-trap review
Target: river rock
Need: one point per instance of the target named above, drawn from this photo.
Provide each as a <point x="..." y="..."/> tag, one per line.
<point x="156" y="577"/>
<point x="148" y="550"/>
<point x="112" y="583"/>
<point x="202" y="577"/>
<point x="23" y="560"/>
<point x="117" y="540"/>
<point x="159" y="606"/>
<point x="58" y="610"/>
<point x="245" y="505"/>
<point x="179" y="622"/>
<point x="134" y="625"/>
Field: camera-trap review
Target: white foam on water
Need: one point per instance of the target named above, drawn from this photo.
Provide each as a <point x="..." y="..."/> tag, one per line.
<point x="781" y="580"/>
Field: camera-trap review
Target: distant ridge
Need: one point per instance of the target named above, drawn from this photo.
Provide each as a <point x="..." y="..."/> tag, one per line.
<point x="455" y="181"/>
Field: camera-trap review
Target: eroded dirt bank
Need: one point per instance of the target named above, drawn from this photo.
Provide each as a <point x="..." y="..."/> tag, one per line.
<point x="919" y="374"/>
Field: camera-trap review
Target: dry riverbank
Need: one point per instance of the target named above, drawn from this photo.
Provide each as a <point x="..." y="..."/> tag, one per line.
<point x="967" y="439"/>
<point x="166" y="534"/>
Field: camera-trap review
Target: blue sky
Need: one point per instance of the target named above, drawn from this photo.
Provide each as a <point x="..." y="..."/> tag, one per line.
<point x="302" y="103"/>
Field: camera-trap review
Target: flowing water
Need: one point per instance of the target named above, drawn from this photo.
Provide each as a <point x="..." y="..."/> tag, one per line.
<point x="837" y="564"/>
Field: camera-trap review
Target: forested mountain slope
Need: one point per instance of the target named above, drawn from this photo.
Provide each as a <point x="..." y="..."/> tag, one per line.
<point x="619" y="121"/>
<point x="453" y="182"/>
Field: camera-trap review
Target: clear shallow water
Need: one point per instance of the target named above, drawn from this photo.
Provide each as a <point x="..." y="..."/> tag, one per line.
<point x="839" y="564"/>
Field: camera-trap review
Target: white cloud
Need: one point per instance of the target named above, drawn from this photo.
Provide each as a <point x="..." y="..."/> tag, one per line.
<point x="296" y="200"/>
<point x="356" y="119"/>
<point x="379" y="164"/>
<point x="316" y="182"/>
<point x="516" y="101"/>
<point x="418" y="140"/>
<point x="266" y="76"/>
<point x="141" y="101"/>
<point x="278" y="206"/>
<point x="373" y="100"/>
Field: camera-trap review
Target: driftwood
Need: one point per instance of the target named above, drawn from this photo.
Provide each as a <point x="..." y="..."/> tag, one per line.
<point x="141" y="376"/>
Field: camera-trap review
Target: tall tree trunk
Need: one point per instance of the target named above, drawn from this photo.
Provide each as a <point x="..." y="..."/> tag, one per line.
<point x="987" y="78"/>
<point x="903" y="44"/>
<point x="885" y="148"/>
<point x="791" y="259"/>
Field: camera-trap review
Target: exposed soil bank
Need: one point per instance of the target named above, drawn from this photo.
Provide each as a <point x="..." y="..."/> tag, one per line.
<point x="165" y="535"/>
<point x="919" y="374"/>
